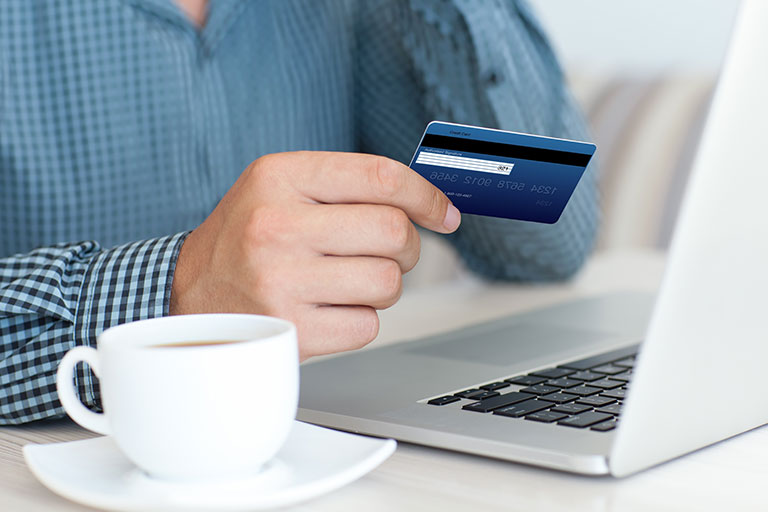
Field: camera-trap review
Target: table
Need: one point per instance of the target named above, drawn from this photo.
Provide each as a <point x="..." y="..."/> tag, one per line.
<point x="730" y="475"/>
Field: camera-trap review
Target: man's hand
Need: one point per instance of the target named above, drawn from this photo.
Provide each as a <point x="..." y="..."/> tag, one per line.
<point x="321" y="239"/>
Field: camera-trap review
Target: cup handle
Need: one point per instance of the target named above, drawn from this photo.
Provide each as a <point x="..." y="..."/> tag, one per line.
<point x="94" y="421"/>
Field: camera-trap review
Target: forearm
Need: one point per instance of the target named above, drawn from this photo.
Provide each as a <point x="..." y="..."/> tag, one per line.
<point x="55" y="298"/>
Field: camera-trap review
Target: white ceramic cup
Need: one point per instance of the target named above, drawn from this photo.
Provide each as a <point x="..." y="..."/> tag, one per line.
<point x="195" y="412"/>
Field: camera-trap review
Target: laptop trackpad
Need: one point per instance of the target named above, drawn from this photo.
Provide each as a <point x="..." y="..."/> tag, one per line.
<point x="518" y="342"/>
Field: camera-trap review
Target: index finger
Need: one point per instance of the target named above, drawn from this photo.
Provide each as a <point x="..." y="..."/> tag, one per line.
<point x="334" y="177"/>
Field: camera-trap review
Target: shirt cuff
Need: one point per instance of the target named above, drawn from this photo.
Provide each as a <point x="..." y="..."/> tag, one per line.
<point x="124" y="284"/>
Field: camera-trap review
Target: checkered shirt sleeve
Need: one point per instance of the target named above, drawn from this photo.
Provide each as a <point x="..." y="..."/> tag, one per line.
<point x="55" y="298"/>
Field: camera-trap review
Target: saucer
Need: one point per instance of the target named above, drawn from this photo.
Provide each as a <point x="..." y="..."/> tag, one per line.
<point x="313" y="461"/>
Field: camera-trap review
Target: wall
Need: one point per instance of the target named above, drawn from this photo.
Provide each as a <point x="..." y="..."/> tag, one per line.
<point x="639" y="37"/>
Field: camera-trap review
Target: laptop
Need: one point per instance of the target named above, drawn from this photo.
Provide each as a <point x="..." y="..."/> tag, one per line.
<point x="611" y="384"/>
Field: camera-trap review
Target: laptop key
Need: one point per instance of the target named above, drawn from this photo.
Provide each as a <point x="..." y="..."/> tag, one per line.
<point x="559" y="398"/>
<point x="553" y="373"/>
<point x="564" y="382"/>
<point x="600" y="359"/>
<point x="490" y="404"/>
<point x="604" y="426"/>
<point x="614" y="393"/>
<point x="443" y="400"/>
<point x="584" y="390"/>
<point x="585" y="419"/>
<point x="610" y="409"/>
<point x="486" y="395"/>
<point x="595" y="400"/>
<point x="586" y="376"/>
<point x="546" y="416"/>
<point x="523" y="408"/>
<point x="573" y="408"/>
<point x="624" y="377"/>
<point x="527" y="380"/>
<point x="609" y="369"/>
<point x="606" y="383"/>
<point x="495" y="385"/>
<point x="469" y="393"/>
<point x="541" y="389"/>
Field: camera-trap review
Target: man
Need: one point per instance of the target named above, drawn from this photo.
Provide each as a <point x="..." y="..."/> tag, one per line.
<point x="126" y="120"/>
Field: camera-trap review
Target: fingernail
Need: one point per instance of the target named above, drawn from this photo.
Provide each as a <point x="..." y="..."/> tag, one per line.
<point x="452" y="218"/>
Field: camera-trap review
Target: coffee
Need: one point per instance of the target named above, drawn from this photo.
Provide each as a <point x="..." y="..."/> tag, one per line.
<point x="199" y="343"/>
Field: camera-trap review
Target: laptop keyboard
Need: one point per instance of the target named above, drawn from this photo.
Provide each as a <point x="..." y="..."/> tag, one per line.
<point x="587" y="393"/>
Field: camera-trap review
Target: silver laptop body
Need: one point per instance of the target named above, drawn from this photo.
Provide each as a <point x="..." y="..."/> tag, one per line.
<point x="702" y="337"/>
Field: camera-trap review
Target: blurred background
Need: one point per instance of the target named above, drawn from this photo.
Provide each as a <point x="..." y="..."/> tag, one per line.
<point x="643" y="73"/>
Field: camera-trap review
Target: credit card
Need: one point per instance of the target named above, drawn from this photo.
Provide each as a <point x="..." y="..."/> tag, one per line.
<point x="499" y="173"/>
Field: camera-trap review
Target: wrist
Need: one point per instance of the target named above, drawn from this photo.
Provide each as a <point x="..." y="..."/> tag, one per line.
<point x="183" y="278"/>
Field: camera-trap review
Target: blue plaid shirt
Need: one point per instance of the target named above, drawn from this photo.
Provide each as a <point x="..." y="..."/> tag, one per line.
<point x="122" y="125"/>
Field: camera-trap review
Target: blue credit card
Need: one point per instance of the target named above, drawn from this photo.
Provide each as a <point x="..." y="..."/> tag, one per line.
<point x="500" y="173"/>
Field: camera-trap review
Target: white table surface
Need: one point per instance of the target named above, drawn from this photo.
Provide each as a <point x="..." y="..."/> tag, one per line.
<point x="731" y="475"/>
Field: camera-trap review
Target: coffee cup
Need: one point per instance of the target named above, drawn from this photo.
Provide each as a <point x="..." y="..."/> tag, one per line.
<point x="191" y="397"/>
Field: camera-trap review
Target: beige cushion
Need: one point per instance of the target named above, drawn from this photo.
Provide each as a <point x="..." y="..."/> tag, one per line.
<point x="646" y="131"/>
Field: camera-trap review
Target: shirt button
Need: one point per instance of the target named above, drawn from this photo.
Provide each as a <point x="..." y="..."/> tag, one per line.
<point x="491" y="79"/>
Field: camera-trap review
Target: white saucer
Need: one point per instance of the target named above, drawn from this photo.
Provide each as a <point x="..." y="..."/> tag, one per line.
<point x="312" y="462"/>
